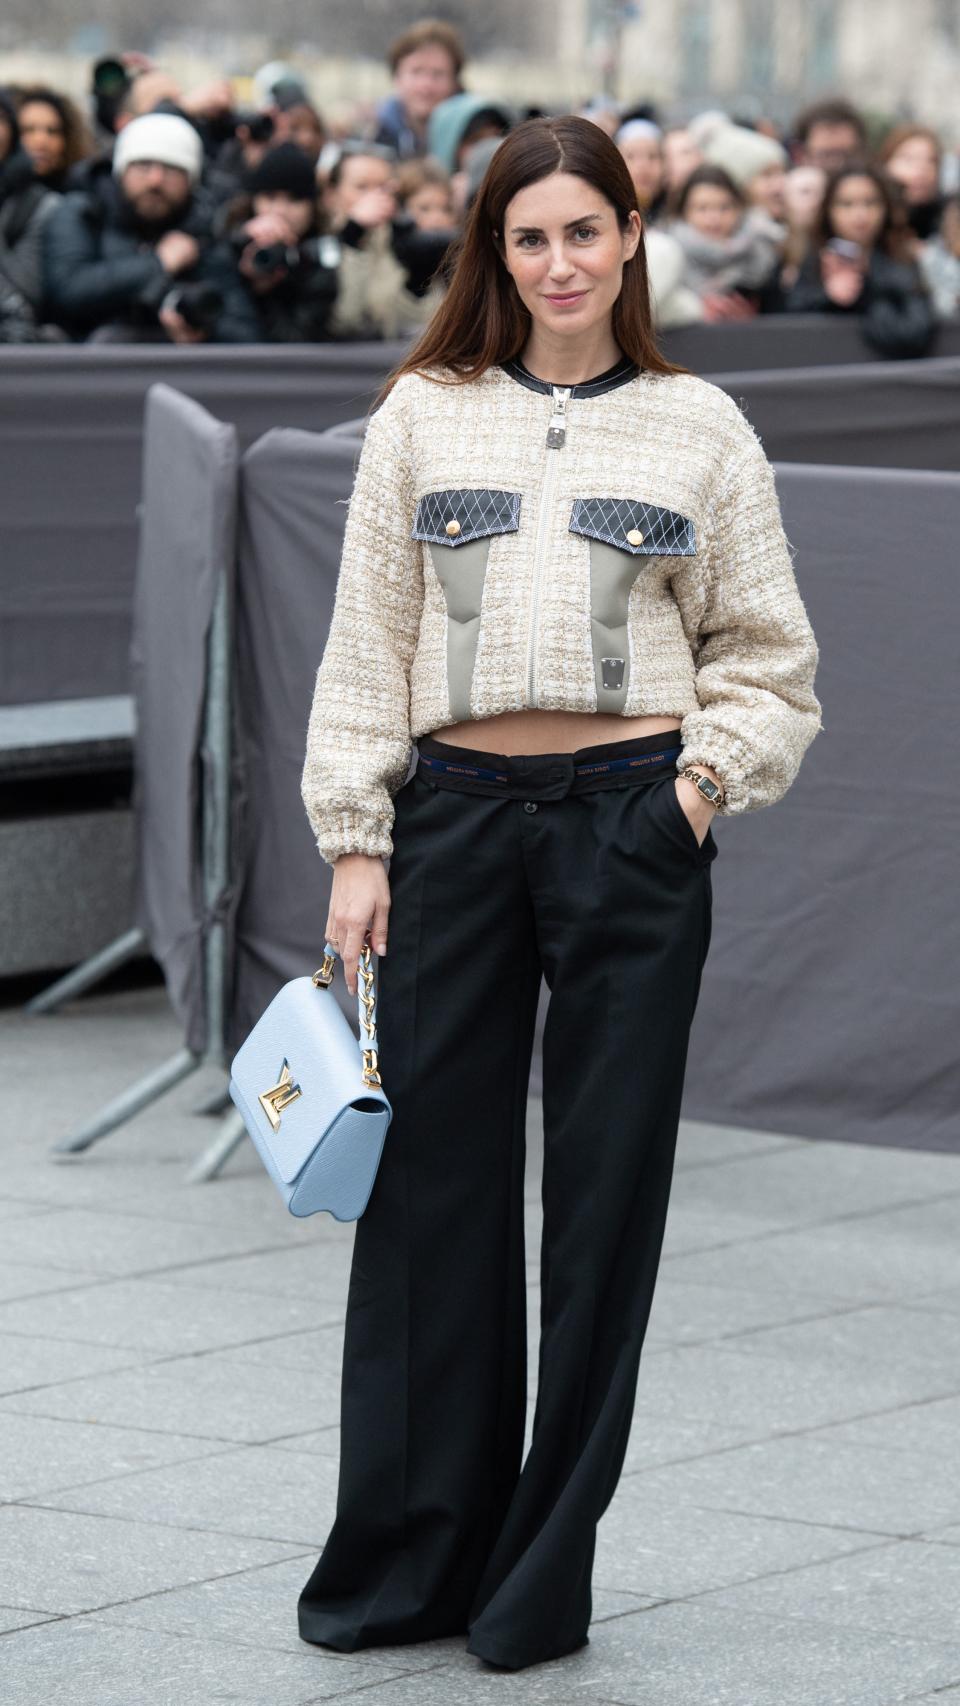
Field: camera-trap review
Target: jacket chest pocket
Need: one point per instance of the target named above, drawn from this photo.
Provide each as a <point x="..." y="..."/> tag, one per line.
<point x="458" y="526"/>
<point x="621" y="530"/>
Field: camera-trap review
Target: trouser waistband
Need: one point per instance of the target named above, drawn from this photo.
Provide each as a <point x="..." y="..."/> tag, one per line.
<point x="547" y="775"/>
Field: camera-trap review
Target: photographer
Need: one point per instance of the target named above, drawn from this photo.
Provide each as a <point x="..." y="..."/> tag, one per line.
<point x="388" y="266"/>
<point x="130" y="259"/>
<point x="290" y="270"/>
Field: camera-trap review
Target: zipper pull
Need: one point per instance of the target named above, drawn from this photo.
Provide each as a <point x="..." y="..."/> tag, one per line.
<point x="557" y="430"/>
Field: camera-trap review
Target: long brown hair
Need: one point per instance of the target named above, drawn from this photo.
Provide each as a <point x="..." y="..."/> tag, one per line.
<point x="893" y="238"/>
<point x="78" y="143"/>
<point x="481" y="320"/>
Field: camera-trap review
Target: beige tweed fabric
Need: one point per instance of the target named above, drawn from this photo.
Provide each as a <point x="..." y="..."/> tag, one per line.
<point x="719" y="638"/>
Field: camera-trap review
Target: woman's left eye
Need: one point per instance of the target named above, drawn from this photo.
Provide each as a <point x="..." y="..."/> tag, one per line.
<point x="590" y="230"/>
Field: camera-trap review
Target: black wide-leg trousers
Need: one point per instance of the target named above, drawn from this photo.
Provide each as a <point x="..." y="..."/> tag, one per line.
<point x="590" y="874"/>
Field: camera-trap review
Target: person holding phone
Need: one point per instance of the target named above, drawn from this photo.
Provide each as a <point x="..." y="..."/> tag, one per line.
<point x="859" y="262"/>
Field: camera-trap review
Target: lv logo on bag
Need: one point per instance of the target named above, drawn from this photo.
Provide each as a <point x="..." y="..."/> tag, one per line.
<point x="284" y="1092"/>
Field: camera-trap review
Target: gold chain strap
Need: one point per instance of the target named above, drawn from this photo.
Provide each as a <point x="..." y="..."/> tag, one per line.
<point x="323" y="978"/>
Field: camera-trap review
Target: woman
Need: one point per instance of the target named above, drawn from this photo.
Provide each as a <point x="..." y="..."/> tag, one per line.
<point x="565" y="576"/>
<point x="25" y="206"/>
<point x="859" y="263"/>
<point x="912" y="154"/>
<point x="54" y="135"/>
<point x="731" y="251"/>
<point x="640" y="141"/>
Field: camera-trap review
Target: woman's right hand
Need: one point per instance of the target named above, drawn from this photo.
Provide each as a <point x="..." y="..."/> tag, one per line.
<point x="359" y="904"/>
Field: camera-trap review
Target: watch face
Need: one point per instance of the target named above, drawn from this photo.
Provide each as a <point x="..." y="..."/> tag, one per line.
<point x="709" y="788"/>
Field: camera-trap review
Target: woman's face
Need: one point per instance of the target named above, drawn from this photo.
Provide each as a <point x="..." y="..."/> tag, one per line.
<point x="712" y="211"/>
<point x="298" y="214"/>
<point x="431" y="208"/>
<point x="300" y="125"/>
<point x="803" y="193"/>
<point x="564" y="250"/>
<point x="359" y="173"/>
<point x="644" y="158"/>
<point x="857" y="211"/>
<point x="42" y="135"/>
<point x="916" y="165"/>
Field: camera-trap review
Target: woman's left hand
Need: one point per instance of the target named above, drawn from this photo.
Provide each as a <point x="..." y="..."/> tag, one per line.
<point x="700" y="812"/>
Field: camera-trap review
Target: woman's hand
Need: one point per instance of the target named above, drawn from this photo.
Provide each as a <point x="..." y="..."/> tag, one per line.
<point x="843" y="280"/>
<point x="700" y="812"/>
<point x="359" y="904"/>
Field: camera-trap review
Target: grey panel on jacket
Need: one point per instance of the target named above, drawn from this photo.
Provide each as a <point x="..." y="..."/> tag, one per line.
<point x="463" y="521"/>
<point x="612" y="574"/>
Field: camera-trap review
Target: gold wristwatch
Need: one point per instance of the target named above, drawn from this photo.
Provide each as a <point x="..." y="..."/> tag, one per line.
<point x="707" y="787"/>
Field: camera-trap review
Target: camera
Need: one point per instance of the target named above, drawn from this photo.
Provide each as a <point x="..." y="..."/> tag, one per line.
<point x="259" y="126"/>
<point x="200" y="305"/>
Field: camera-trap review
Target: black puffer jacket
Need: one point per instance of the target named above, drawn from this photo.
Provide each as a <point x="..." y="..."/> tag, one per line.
<point x="100" y="266"/>
<point x="25" y="205"/>
<point x="894" y="310"/>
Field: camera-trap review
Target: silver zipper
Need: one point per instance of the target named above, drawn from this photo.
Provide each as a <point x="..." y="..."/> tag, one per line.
<point x="556" y="439"/>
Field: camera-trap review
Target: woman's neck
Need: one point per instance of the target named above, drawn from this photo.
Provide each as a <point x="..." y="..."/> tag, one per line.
<point x="570" y="361"/>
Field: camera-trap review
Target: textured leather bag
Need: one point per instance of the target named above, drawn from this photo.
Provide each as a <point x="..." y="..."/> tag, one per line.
<point x="315" y="1108"/>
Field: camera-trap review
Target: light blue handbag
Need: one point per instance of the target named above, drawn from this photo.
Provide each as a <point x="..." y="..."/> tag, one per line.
<point x="315" y="1109"/>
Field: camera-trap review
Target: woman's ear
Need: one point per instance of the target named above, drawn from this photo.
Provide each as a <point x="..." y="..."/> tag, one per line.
<point x="632" y="237"/>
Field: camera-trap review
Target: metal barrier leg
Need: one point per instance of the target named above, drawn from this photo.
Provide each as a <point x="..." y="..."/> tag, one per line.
<point x="85" y="975"/>
<point x="216" y="1102"/>
<point x="129" y="1102"/>
<point x="207" y="1165"/>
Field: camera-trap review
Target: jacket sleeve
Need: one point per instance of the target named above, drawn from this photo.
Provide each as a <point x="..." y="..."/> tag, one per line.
<point x="80" y="287"/>
<point x="898" y="316"/>
<point x="358" y="738"/>
<point x="756" y="654"/>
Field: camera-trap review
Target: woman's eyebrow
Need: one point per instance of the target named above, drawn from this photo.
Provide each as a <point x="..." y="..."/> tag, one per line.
<point x="526" y="230"/>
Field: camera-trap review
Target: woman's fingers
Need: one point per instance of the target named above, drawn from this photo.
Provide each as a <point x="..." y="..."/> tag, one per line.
<point x="350" y="950"/>
<point x="378" y="929"/>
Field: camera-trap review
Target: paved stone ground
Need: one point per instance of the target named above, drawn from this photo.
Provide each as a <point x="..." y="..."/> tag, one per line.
<point x="787" y="1529"/>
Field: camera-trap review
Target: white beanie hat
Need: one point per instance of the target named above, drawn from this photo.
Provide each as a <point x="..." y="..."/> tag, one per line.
<point x="159" y="136"/>
<point x="742" y="152"/>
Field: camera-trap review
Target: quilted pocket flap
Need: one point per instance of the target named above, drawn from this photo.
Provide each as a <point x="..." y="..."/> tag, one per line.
<point x="455" y="517"/>
<point x="643" y="529"/>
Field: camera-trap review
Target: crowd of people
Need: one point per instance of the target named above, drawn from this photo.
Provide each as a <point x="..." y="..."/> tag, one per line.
<point x="165" y="215"/>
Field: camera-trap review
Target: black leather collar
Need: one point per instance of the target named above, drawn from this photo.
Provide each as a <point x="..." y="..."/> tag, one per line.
<point x="619" y="374"/>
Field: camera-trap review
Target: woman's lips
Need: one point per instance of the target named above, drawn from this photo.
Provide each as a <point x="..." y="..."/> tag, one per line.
<point x="571" y="296"/>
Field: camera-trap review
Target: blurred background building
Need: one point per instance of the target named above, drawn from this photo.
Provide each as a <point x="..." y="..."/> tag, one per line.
<point x="761" y="57"/>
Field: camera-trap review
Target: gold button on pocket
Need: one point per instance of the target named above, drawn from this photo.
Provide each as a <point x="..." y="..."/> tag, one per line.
<point x="634" y="537"/>
<point x="453" y="528"/>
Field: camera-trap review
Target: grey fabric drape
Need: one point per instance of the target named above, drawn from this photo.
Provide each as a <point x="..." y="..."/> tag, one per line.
<point x="187" y="541"/>
<point x="830" y="1004"/>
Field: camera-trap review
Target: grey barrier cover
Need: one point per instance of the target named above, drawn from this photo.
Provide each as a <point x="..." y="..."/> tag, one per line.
<point x="70" y="452"/>
<point x="830" y="1005"/>
<point x="877" y="415"/>
<point x="187" y="540"/>
<point x="71" y="422"/>
<point x="783" y="340"/>
<point x="294" y="488"/>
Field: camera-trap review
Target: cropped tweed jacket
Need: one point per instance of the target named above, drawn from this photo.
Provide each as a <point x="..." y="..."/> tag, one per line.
<point x="611" y="546"/>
